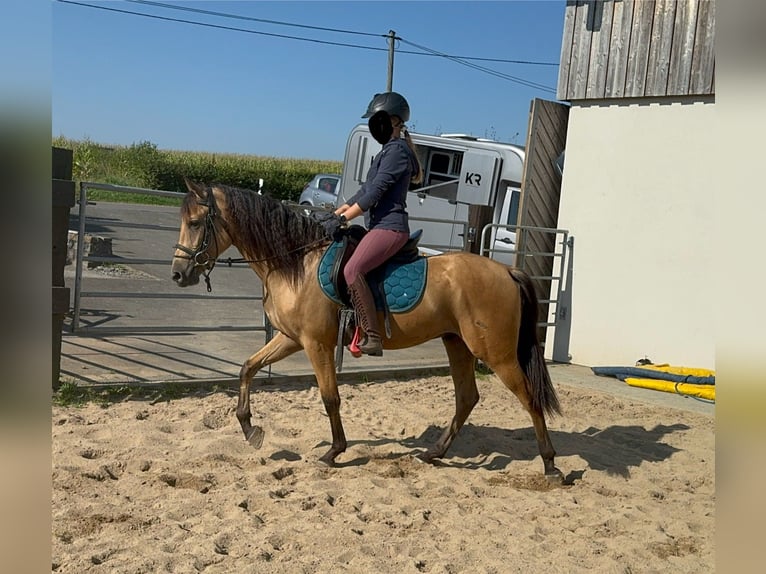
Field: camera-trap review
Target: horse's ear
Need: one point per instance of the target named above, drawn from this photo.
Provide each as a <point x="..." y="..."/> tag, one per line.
<point x="196" y="188"/>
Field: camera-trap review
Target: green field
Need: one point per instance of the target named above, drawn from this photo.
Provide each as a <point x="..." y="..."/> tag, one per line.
<point x="144" y="166"/>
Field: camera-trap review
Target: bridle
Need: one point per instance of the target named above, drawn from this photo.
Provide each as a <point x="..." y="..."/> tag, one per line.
<point x="198" y="252"/>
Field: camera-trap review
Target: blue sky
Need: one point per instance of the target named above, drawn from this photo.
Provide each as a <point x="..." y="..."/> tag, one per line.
<point x="118" y="78"/>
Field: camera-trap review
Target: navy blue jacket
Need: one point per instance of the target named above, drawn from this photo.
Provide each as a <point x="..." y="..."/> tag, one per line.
<point x="383" y="197"/>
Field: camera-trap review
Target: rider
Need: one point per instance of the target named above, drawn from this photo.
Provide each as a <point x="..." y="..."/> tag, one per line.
<point x="383" y="201"/>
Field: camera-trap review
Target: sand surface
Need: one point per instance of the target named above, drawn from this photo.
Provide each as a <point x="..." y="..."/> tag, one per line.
<point x="144" y="486"/>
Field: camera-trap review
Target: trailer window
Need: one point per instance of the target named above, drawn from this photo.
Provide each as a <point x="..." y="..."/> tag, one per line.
<point x="440" y="163"/>
<point x="443" y="166"/>
<point x="457" y="163"/>
<point x="446" y="163"/>
<point x="513" y="211"/>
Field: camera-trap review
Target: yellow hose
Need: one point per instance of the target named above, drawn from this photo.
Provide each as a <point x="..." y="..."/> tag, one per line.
<point x="701" y="391"/>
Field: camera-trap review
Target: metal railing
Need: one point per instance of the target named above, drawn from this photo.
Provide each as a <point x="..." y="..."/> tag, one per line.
<point x="561" y="275"/>
<point x="81" y="258"/>
<point x="562" y="254"/>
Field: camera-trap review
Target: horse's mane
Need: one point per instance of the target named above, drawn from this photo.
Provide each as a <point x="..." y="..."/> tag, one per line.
<point x="268" y="231"/>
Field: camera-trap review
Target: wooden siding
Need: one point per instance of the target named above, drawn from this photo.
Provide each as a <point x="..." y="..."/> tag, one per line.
<point x="540" y="193"/>
<point x="637" y="48"/>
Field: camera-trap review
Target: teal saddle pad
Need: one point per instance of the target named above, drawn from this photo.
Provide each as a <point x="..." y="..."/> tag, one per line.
<point x="403" y="283"/>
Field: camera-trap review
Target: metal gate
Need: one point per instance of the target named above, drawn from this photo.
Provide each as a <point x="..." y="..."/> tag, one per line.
<point x="554" y="288"/>
<point x="129" y="323"/>
<point x="148" y="330"/>
<point x="169" y="292"/>
<point x="142" y="328"/>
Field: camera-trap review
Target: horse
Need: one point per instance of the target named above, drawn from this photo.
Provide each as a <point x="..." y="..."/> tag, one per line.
<point x="480" y="308"/>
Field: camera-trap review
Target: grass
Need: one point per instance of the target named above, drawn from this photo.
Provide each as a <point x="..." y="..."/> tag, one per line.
<point x="71" y="394"/>
<point x="125" y="197"/>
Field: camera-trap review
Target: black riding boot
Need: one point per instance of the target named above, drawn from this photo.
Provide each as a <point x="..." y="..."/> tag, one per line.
<point x="364" y="305"/>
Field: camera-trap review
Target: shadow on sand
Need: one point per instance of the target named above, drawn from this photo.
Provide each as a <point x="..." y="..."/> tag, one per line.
<point x="615" y="449"/>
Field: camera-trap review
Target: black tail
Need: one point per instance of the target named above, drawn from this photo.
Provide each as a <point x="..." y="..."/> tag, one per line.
<point x="529" y="352"/>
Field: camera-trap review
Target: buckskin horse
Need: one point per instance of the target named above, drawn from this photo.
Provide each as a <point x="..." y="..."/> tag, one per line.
<point x="480" y="308"/>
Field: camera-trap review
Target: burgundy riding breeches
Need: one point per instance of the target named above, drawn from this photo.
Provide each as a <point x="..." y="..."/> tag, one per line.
<point x="375" y="248"/>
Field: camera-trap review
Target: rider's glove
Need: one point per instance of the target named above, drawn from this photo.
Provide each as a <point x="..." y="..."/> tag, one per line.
<point x="331" y="223"/>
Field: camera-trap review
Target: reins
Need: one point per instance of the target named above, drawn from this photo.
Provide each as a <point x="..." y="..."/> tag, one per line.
<point x="194" y="254"/>
<point x="229" y="260"/>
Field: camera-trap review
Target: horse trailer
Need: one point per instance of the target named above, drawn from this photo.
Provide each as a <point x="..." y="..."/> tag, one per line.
<point x="458" y="171"/>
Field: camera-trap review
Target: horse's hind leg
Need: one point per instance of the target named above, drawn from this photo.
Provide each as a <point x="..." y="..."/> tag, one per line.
<point x="513" y="377"/>
<point x="462" y="368"/>
<point x="275" y="350"/>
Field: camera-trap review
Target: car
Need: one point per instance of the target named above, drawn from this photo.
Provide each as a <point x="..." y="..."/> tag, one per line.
<point x="321" y="191"/>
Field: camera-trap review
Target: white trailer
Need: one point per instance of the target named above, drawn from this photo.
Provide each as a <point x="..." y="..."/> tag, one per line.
<point x="459" y="171"/>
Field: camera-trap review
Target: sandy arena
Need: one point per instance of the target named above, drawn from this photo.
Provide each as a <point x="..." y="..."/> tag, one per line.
<point x="142" y="486"/>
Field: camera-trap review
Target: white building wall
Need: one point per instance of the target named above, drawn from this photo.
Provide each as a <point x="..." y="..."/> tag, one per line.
<point x="638" y="197"/>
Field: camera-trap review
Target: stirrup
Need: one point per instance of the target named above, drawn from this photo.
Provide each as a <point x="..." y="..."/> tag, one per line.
<point x="353" y="346"/>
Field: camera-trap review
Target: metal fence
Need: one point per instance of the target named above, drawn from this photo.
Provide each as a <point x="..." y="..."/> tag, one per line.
<point x="171" y="293"/>
<point x="237" y="278"/>
<point x="558" y="283"/>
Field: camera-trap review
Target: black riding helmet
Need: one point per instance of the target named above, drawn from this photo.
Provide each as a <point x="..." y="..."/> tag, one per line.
<point x="391" y="102"/>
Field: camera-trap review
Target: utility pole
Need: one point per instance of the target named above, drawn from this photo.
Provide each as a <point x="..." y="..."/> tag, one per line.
<point x="390" y="83"/>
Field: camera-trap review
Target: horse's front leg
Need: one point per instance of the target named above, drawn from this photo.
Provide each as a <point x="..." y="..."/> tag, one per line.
<point x="322" y="359"/>
<point x="275" y="350"/>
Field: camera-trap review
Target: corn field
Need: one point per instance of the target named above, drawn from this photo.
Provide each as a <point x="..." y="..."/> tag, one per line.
<point x="143" y="165"/>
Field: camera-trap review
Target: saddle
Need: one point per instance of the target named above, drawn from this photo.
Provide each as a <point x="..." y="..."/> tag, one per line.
<point x="397" y="285"/>
<point x="349" y="239"/>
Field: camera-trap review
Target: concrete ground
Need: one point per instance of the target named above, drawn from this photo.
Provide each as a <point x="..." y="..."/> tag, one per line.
<point x="215" y="358"/>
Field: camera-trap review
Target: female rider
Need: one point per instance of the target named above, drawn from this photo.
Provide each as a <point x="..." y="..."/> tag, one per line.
<point x="383" y="201"/>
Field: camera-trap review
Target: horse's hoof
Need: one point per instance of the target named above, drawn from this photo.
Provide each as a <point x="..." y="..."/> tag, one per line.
<point x="555" y="476"/>
<point x="326" y="461"/>
<point x="426" y="457"/>
<point x="255" y="437"/>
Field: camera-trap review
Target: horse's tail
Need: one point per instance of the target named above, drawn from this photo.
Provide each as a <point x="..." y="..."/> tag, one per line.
<point x="529" y="352"/>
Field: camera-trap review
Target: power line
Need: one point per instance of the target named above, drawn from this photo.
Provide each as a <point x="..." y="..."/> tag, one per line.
<point x="325" y="29"/>
<point x="319" y="28"/>
<point x="250" y="18"/>
<point x="218" y="26"/>
<point x="424" y="50"/>
<point x="508" y="77"/>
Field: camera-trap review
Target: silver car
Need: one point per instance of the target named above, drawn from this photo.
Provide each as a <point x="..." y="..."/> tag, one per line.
<point x="321" y="191"/>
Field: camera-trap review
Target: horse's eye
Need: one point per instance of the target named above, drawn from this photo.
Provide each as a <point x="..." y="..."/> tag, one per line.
<point x="194" y="223"/>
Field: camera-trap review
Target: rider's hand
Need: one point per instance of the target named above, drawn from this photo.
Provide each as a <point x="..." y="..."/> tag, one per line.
<point x="331" y="223"/>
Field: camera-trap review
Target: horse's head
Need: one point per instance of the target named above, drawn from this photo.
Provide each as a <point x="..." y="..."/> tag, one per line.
<point x="202" y="238"/>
